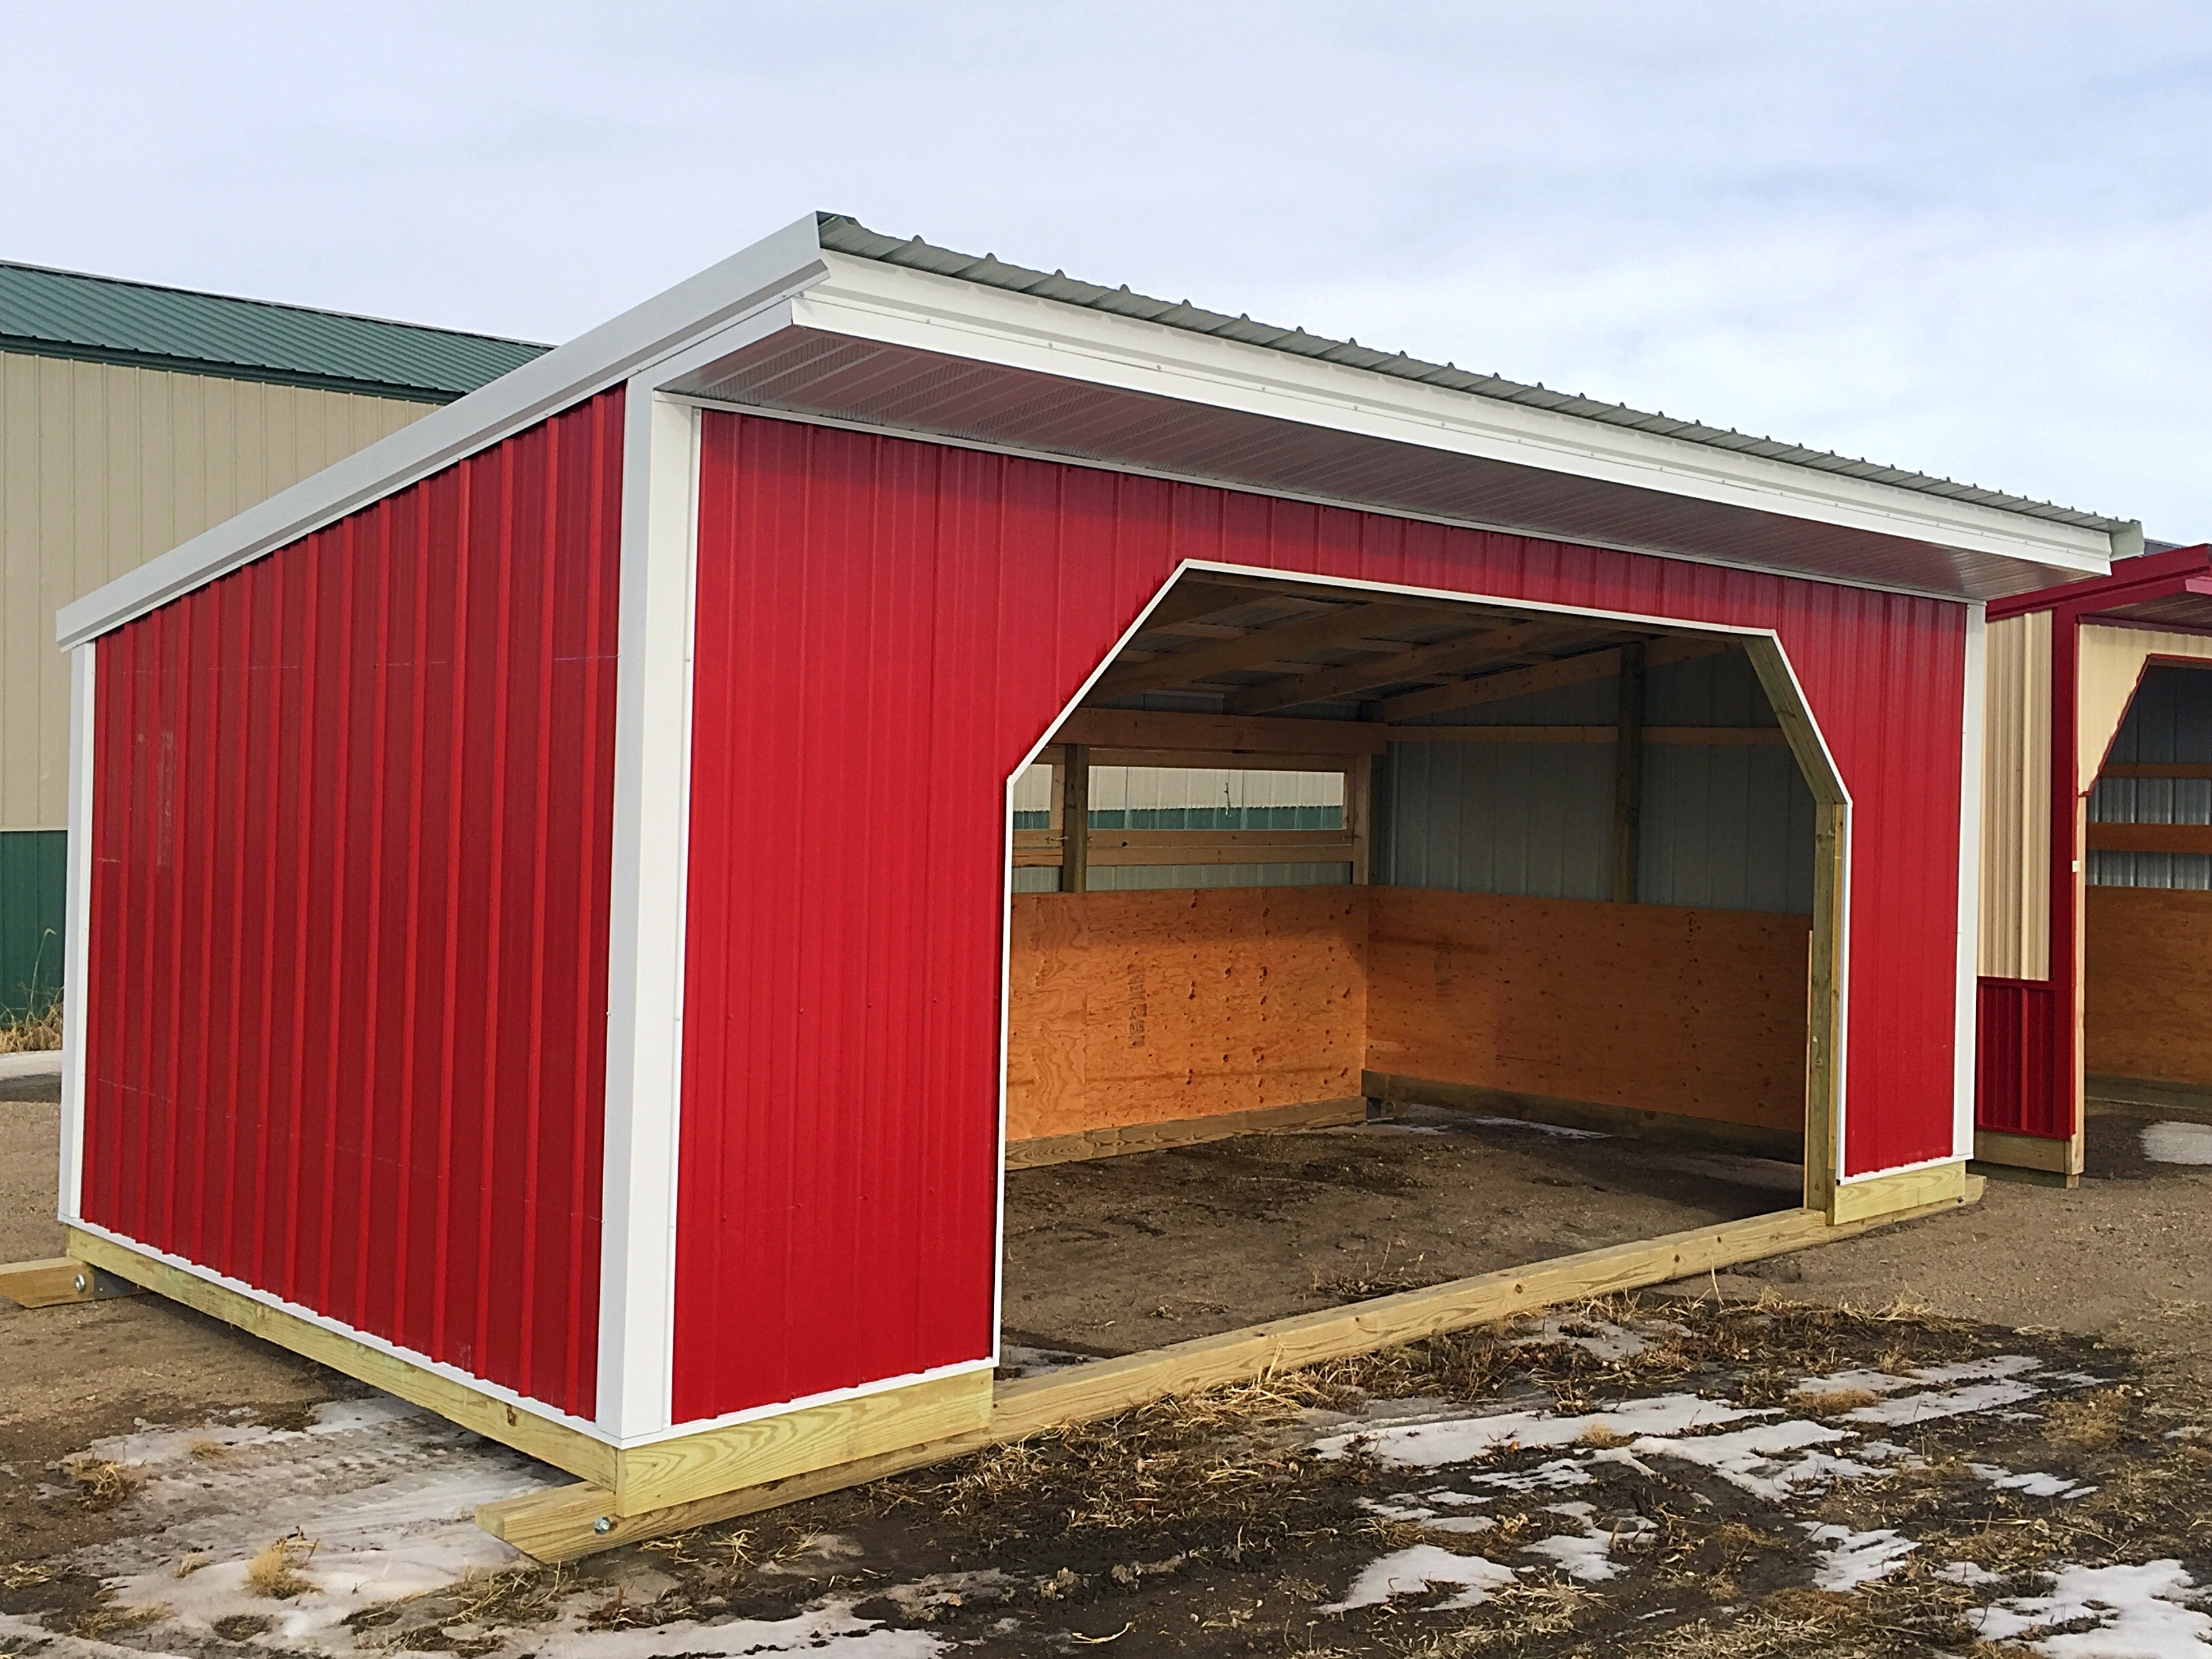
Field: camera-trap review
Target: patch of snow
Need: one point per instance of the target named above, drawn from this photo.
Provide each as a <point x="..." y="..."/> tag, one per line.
<point x="1851" y="1559"/>
<point x="1906" y="1409"/>
<point x="1417" y="1570"/>
<point x="1758" y="1459"/>
<point x="829" y="1629"/>
<point x="2034" y="1483"/>
<point x="1597" y="1336"/>
<point x="1588" y="1556"/>
<point x="2177" y="1143"/>
<point x="1401" y="1509"/>
<point x="2140" y="1612"/>
<point x="1965" y="1572"/>
<point x="1558" y="1472"/>
<point x="1459" y="1440"/>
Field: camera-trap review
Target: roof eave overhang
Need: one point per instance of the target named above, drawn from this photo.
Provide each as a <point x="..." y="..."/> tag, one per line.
<point x="789" y="328"/>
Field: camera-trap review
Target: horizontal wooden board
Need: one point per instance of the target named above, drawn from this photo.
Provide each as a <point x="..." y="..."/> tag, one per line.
<point x="2147" y="990"/>
<point x="1113" y="1140"/>
<point x="2150" y="838"/>
<point x="1650" y="1007"/>
<point x="1169" y="729"/>
<point x="1150" y="1008"/>
<point x="1730" y="737"/>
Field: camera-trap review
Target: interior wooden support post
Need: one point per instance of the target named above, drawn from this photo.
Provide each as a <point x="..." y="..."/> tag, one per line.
<point x="1628" y="775"/>
<point x="1360" y="817"/>
<point x="1075" y="818"/>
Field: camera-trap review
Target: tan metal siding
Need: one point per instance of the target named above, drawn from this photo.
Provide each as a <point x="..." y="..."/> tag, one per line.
<point x="101" y="468"/>
<point x="2016" y="799"/>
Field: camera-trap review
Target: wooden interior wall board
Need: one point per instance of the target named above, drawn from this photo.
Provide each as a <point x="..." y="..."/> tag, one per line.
<point x="1112" y="1140"/>
<point x="1652" y="1007"/>
<point x="2029" y="1151"/>
<point x="1230" y="759"/>
<point x="561" y="1523"/>
<point x="687" y="1467"/>
<point x="1138" y="847"/>
<point x="2147" y="984"/>
<point x="540" y="1438"/>
<point x="2150" y="838"/>
<point x="1219" y="734"/>
<point x="1159" y="1006"/>
<point x="1909" y="1189"/>
<point x="1629" y="1123"/>
<point x="1360" y="818"/>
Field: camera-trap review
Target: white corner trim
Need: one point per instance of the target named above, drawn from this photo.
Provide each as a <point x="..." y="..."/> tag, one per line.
<point x="645" y="964"/>
<point x="770" y="269"/>
<point x="76" y="948"/>
<point x="1971" y="736"/>
<point x="891" y="305"/>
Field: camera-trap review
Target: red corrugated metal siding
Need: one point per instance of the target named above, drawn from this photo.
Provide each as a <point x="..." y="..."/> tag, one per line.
<point x="884" y="627"/>
<point x="351" y="814"/>
<point x="2015" y="1078"/>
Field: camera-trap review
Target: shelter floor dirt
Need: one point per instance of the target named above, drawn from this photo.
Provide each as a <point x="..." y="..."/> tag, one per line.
<point x="1118" y="1255"/>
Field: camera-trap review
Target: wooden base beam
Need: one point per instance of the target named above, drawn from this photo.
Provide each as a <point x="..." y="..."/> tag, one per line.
<point x="565" y="1522"/>
<point x="2037" y="1152"/>
<point x="59" y="1280"/>
<point x="636" y="1478"/>
<point x="1112" y="1140"/>
<point x="1940" y="1186"/>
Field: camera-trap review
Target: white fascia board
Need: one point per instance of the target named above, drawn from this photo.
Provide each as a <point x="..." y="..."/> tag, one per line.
<point x="894" y="305"/>
<point x="768" y="271"/>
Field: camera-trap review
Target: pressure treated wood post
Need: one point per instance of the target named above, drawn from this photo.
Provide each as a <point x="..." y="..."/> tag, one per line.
<point x="1628" y="776"/>
<point x="1075" y="818"/>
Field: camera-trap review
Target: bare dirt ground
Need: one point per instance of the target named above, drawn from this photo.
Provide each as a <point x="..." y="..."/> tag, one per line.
<point x="1991" y="1428"/>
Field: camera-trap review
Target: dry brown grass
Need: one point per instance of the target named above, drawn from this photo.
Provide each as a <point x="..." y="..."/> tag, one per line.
<point x="101" y="1484"/>
<point x="273" y="1572"/>
<point x="101" y="1620"/>
<point x="2089" y="1422"/>
<point x="28" y="1033"/>
<point x="1831" y="1402"/>
<point x="1599" y="1436"/>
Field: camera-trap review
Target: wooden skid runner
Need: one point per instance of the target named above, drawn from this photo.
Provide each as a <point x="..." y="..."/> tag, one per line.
<point x="565" y="1522"/>
<point x="634" y="1480"/>
<point x="58" y="1279"/>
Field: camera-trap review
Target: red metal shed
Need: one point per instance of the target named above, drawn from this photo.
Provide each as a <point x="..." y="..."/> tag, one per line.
<point x="541" y="909"/>
<point x="2096" y="919"/>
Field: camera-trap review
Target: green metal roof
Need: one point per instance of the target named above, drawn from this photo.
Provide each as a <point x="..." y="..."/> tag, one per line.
<point x="69" y="313"/>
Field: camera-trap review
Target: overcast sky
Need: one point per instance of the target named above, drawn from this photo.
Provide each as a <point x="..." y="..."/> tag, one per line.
<point x="1964" y="238"/>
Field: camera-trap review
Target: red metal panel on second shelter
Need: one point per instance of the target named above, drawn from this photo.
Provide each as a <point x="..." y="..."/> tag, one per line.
<point x="351" y="817"/>
<point x="884" y="628"/>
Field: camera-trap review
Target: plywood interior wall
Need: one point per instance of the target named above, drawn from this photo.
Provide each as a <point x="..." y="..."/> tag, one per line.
<point x="2148" y="976"/>
<point x="1153" y="1006"/>
<point x="1651" y="1006"/>
<point x="1144" y="1007"/>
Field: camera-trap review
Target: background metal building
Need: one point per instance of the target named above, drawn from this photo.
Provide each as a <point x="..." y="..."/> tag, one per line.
<point x="133" y="417"/>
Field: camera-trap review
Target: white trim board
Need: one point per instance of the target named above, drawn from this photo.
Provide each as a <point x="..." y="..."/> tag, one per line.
<point x="865" y="299"/>
<point x="77" y="945"/>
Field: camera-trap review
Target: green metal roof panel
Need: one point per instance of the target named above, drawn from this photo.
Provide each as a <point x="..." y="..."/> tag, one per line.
<point x="844" y="234"/>
<point x="70" y="313"/>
